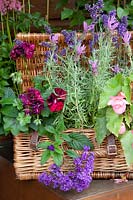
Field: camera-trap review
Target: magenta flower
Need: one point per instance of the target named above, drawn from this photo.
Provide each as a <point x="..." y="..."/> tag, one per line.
<point x="118" y="103"/>
<point x="24" y="49"/>
<point x="56" y="100"/>
<point x="126" y="37"/>
<point x="33" y="102"/>
<point x="28" y="49"/>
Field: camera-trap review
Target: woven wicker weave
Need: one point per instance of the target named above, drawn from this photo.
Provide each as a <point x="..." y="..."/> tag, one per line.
<point x="26" y="161"/>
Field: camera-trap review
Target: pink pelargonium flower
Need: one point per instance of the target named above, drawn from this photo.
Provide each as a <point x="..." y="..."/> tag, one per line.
<point x="122" y="128"/>
<point x="118" y="103"/>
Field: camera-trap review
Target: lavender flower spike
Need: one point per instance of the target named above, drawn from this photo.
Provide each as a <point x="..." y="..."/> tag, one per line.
<point x="94" y="65"/>
<point x="112" y="23"/>
<point x="126" y="37"/>
<point x="81" y="49"/>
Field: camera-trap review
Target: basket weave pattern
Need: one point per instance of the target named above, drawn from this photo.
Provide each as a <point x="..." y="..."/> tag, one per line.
<point x="26" y="161"/>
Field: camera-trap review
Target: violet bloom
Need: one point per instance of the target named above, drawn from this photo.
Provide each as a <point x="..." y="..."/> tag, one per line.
<point x="112" y="23"/>
<point x="94" y="66"/>
<point x="116" y="69"/>
<point x="69" y="37"/>
<point x="87" y="27"/>
<point x="9" y="5"/>
<point x="95" y="10"/>
<point x="80" y="49"/>
<point x="126" y="37"/>
<point x="54" y="38"/>
<point x="48" y="29"/>
<point x="122" y="27"/>
<point x="51" y="147"/>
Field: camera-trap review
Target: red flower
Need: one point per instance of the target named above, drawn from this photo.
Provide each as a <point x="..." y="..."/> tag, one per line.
<point x="56" y="100"/>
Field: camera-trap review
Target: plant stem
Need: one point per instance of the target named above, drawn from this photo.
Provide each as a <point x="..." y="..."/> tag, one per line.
<point x="8" y="30"/>
<point x="29" y="11"/>
<point x="2" y="25"/>
<point x="23" y="6"/>
<point x="47" y="14"/>
<point x="14" y="29"/>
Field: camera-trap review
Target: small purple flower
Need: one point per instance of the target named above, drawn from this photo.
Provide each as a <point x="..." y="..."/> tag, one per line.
<point x="112" y="23"/>
<point x="80" y="49"/>
<point x="116" y="69"/>
<point x="126" y="37"/>
<point x="87" y="27"/>
<point x="122" y="27"/>
<point x="47" y="29"/>
<point x="54" y="38"/>
<point x="95" y="10"/>
<point x="69" y="37"/>
<point x="94" y="66"/>
<point x="51" y="147"/>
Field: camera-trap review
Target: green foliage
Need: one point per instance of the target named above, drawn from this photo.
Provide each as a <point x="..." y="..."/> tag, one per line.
<point x="100" y="125"/>
<point x="127" y="145"/>
<point x="78" y="141"/>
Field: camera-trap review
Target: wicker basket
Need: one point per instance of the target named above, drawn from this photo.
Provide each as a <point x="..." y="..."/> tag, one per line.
<point x="27" y="162"/>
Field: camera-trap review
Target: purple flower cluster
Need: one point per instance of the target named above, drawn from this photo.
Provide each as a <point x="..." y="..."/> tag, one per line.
<point x="33" y="102"/>
<point x="79" y="179"/>
<point x="95" y="11"/>
<point x="22" y="48"/>
<point x="8" y="5"/>
<point x="110" y="21"/>
<point x="69" y="37"/>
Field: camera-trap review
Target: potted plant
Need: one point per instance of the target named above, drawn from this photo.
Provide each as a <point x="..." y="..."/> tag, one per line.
<point x="77" y="91"/>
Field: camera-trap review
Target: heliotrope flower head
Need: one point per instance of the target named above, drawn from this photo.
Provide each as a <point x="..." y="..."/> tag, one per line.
<point x="79" y="179"/>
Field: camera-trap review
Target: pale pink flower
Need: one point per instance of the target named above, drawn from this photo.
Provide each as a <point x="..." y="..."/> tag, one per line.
<point x="8" y="5"/>
<point x="122" y="128"/>
<point x="118" y="103"/>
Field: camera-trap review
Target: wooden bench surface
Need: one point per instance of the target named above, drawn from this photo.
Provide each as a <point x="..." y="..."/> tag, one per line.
<point x="13" y="189"/>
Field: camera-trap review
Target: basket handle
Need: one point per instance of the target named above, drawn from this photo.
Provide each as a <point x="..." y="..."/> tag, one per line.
<point x="34" y="140"/>
<point x="111" y="146"/>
